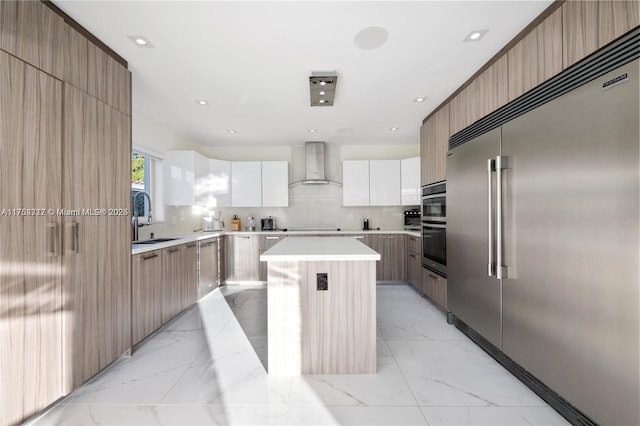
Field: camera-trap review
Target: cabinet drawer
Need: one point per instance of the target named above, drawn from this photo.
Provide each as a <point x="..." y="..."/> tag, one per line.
<point x="413" y="244"/>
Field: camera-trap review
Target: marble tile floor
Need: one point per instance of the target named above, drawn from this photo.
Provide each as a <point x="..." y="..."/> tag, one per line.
<point x="207" y="368"/>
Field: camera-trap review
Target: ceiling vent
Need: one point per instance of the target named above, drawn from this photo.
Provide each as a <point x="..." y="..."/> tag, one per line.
<point x="322" y="87"/>
<point x="314" y="164"/>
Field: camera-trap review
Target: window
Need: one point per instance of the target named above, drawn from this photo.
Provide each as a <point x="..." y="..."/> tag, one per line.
<point x="146" y="177"/>
<point x="140" y="182"/>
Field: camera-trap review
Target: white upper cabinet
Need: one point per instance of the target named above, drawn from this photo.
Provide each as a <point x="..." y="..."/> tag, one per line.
<point x="371" y="183"/>
<point x="275" y="183"/>
<point x="186" y="175"/>
<point x="384" y="182"/>
<point x="219" y="183"/>
<point x="410" y="181"/>
<point x="246" y="183"/>
<point x="355" y="183"/>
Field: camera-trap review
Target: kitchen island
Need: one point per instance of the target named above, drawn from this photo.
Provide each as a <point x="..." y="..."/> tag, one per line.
<point x="321" y="295"/>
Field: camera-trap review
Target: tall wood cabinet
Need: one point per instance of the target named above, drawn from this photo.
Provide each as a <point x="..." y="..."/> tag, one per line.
<point x="96" y="175"/>
<point x="31" y="296"/>
<point x="65" y="146"/>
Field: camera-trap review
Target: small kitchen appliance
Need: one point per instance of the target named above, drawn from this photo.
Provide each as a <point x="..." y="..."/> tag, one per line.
<point x="251" y="224"/>
<point x="412" y="220"/>
<point x="365" y="225"/>
<point x="268" y="224"/>
<point x="211" y="222"/>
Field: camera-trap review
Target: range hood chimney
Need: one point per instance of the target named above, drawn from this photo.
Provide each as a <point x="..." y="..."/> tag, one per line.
<point x="314" y="164"/>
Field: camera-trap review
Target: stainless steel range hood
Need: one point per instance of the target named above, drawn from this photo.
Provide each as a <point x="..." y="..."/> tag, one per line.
<point x="314" y="164"/>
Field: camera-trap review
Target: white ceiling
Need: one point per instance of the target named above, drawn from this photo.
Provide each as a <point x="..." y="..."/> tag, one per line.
<point x="251" y="62"/>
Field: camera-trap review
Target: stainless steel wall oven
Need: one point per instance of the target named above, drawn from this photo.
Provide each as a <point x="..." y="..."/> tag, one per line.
<point x="434" y="228"/>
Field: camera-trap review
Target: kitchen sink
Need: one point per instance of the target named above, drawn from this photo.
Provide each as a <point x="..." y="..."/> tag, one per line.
<point x="155" y="241"/>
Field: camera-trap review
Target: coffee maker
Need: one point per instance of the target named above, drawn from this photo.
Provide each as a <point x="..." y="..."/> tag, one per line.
<point x="212" y="222"/>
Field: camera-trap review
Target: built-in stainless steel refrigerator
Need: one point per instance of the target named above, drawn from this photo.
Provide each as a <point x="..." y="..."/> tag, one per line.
<point x="543" y="240"/>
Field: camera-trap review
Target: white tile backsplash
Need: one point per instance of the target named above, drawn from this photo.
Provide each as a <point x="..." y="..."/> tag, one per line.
<point x="310" y="206"/>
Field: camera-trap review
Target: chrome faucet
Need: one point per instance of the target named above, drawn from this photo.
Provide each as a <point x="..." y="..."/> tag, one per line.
<point x="136" y="214"/>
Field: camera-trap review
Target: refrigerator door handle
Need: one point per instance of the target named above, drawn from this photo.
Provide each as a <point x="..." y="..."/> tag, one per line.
<point x="491" y="167"/>
<point x="501" y="270"/>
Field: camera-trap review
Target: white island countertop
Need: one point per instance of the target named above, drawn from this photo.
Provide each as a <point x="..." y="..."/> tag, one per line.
<point x="319" y="248"/>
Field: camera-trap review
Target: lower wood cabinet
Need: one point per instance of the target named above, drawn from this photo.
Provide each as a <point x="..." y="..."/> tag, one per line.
<point x="434" y="287"/>
<point x="164" y="284"/>
<point x="208" y="270"/>
<point x="413" y="267"/>
<point x="392" y="262"/>
<point x="147" y="294"/>
<point x="243" y="257"/>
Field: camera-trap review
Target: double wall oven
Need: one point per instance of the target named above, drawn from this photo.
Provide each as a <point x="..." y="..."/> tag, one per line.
<point x="434" y="228"/>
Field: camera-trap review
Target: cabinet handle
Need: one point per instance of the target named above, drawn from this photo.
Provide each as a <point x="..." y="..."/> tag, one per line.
<point x="74" y="238"/>
<point x="149" y="256"/>
<point x="208" y="244"/>
<point x="412" y="255"/>
<point x="191" y="245"/>
<point x="273" y="238"/>
<point x="54" y="239"/>
<point x="242" y="238"/>
<point x="412" y="238"/>
<point x="359" y="237"/>
<point x="388" y="238"/>
<point x="172" y="250"/>
<point x="432" y="276"/>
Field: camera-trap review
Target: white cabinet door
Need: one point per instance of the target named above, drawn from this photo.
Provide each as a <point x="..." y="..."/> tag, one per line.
<point x="355" y="183"/>
<point x="246" y="184"/>
<point x="186" y="177"/>
<point x="180" y="174"/>
<point x="201" y="186"/>
<point x="384" y="182"/>
<point x="275" y="184"/>
<point x="219" y="183"/>
<point x="410" y="181"/>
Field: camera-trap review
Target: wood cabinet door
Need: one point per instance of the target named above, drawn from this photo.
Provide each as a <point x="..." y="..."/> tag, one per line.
<point x="31" y="298"/>
<point x="615" y="18"/>
<point x="146" y="294"/>
<point x="392" y="260"/>
<point x="434" y="145"/>
<point x="207" y="267"/>
<point x="243" y="257"/>
<point x="97" y="234"/>
<point x="579" y="30"/>
<point x="171" y="283"/>
<point x="189" y="267"/>
<point x="33" y="33"/>
<point x="537" y="57"/>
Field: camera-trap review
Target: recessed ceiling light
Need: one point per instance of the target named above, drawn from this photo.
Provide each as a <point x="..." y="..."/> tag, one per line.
<point x="420" y="99"/>
<point x="232" y="131"/>
<point x="201" y="102"/>
<point x="475" y="35"/>
<point x="322" y="93"/>
<point x="322" y="101"/>
<point x="394" y="129"/>
<point x="312" y="130"/>
<point x="140" y="41"/>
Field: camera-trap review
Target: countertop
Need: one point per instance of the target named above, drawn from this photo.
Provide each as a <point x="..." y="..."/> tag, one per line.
<point x="198" y="236"/>
<point x="305" y="249"/>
